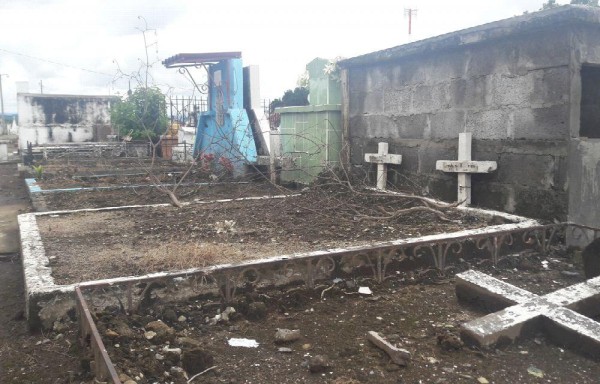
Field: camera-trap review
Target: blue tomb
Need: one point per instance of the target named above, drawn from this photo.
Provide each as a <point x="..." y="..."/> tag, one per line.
<point x="224" y="132"/>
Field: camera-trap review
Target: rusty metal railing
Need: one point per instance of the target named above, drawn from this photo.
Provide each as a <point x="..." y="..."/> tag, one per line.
<point x="90" y="339"/>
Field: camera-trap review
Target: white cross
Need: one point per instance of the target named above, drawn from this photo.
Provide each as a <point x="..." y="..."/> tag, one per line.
<point x="382" y="158"/>
<point x="562" y="313"/>
<point x="464" y="167"/>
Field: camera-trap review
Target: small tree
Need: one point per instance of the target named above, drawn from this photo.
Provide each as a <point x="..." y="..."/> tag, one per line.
<point x="552" y="3"/>
<point x="593" y="3"/>
<point x="549" y="4"/>
<point x="142" y="115"/>
<point x="297" y="97"/>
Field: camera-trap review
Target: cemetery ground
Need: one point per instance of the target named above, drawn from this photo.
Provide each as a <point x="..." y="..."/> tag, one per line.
<point x="26" y="357"/>
<point x="416" y="309"/>
<point x="107" y="182"/>
<point x="85" y="246"/>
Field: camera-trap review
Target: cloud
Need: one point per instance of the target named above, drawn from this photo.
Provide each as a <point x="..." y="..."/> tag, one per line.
<point x="82" y="37"/>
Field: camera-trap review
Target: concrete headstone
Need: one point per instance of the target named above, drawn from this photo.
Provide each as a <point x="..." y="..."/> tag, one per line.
<point x="464" y="167"/>
<point x="382" y="158"/>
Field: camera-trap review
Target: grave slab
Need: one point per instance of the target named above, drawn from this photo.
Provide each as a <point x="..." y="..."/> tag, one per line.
<point x="564" y="315"/>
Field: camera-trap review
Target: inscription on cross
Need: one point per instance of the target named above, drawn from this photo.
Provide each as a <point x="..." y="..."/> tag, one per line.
<point x="464" y="166"/>
<point x="565" y="315"/>
<point x="382" y="158"/>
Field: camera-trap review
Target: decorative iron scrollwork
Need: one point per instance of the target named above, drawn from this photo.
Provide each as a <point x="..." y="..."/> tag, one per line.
<point x="383" y="260"/>
<point x="322" y="269"/>
<point x="439" y="252"/>
<point x="202" y="88"/>
<point x="229" y="281"/>
<point x="542" y="238"/>
<point x="494" y="244"/>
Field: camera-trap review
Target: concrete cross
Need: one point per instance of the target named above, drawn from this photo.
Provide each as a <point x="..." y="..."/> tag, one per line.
<point x="464" y="167"/>
<point x="565" y="314"/>
<point x="382" y="158"/>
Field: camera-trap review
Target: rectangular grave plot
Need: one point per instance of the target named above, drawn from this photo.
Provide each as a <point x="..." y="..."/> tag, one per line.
<point x="412" y="316"/>
<point x="133" y="241"/>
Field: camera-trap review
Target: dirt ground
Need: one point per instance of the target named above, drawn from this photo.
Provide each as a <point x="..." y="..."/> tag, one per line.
<point x="26" y="357"/>
<point x="133" y="184"/>
<point x="150" y="195"/>
<point x="411" y="311"/>
<point x="94" y="245"/>
<point x="416" y="310"/>
<point x="58" y="173"/>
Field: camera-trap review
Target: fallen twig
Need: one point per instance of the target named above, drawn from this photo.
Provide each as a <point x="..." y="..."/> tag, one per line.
<point x="325" y="290"/>
<point x="399" y="212"/>
<point x="201" y="373"/>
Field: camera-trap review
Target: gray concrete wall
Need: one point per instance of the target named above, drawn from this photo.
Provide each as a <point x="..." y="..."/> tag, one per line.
<point x="584" y="166"/>
<point x="518" y="93"/>
<point x="584" y="152"/>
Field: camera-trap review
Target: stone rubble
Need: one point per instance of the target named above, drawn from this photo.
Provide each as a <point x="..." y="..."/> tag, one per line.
<point x="398" y="355"/>
<point x="287" y="335"/>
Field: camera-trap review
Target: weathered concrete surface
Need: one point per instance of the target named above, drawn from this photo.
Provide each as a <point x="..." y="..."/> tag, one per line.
<point x="13" y="201"/>
<point x="399" y="356"/>
<point x="515" y="84"/>
<point x="47" y="302"/>
<point x="47" y="119"/>
<point x="565" y="315"/>
<point x="584" y="196"/>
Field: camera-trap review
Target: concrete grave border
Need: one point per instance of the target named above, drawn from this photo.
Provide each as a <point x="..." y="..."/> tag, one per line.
<point x="47" y="301"/>
<point x="123" y="291"/>
<point x="36" y="193"/>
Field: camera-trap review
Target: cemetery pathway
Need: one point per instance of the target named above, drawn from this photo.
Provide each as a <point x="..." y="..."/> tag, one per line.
<point x="24" y="357"/>
<point x="13" y="201"/>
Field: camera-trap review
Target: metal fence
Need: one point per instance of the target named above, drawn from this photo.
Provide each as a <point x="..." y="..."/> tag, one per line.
<point x="87" y="150"/>
<point x="186" y="109"/>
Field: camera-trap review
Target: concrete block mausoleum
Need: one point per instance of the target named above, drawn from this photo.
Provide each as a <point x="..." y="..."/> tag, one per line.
<point x="523" y="87"/>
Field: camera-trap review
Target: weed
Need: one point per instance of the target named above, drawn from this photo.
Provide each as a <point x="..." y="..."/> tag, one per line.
<point x="39" y="171"/>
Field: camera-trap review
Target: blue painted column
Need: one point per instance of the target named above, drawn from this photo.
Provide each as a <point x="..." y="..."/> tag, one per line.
<point x="224" y="134"/>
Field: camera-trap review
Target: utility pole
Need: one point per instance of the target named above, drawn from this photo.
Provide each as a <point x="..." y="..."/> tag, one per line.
<point x="3" y="130"/>
<point x="41" y="87"/>
<point x="410" y="13"/>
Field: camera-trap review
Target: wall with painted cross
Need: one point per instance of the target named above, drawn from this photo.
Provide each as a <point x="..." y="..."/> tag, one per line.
<point x="515" y="85"/>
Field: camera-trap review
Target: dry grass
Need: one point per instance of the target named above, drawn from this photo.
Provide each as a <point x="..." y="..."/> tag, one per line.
<point x="175" y="256"/>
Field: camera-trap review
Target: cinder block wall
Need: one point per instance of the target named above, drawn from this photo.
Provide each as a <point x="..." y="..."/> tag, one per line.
<point x="510" y="83"/>
<point x="584" y="147"/>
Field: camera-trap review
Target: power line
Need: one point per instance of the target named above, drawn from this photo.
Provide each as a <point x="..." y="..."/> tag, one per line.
<point x="55" y="62"/>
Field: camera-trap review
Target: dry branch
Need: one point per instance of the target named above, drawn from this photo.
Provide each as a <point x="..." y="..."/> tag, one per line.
<point x="405" y="211"/>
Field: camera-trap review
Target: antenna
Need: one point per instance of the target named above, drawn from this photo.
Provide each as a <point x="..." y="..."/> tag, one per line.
<point x="410" y="12"/>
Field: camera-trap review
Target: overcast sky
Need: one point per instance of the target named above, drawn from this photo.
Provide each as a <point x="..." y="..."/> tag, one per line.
<point x="78" y="46"/>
